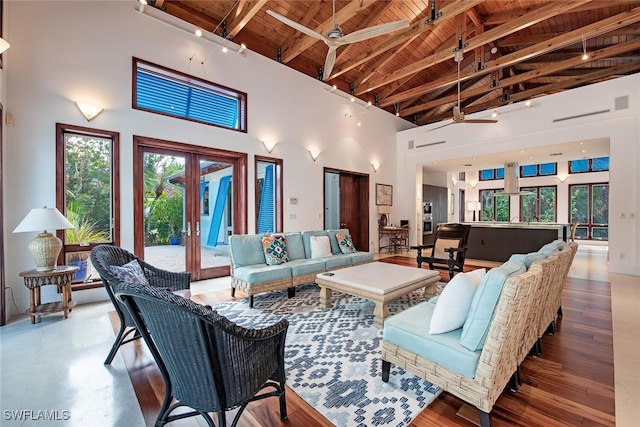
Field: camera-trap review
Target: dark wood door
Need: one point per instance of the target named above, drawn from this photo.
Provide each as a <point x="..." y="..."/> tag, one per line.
<point x="354" y="208"/>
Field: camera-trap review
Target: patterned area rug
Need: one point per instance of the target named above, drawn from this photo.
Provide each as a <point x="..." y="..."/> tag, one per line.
<point x="332" y="356"/>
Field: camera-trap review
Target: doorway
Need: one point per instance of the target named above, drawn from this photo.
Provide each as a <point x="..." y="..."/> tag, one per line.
<point x="461" y="206"/>
<point x="190" y="201"/>
<point x="346" y="204"/>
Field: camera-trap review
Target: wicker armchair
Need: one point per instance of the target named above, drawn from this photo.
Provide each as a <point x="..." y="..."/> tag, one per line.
<point x="208" y="363"/>
<point x="105" y="256"/>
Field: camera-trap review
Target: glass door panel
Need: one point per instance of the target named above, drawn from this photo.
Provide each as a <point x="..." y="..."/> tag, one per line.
<point x="214" y="222"/>
<point x="165" y="190"/>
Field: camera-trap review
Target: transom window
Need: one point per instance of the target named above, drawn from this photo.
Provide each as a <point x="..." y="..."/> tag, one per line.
<point x="598" y="164"/>
<point x="160" y="90"/>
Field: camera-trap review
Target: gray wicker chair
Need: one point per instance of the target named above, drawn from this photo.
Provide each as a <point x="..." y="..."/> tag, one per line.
<point x="208" y="363"/>
<point x="105" y="256"/>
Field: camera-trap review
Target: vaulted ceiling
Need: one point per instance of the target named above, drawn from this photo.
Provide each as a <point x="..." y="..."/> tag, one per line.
<point x="512" y="50"/>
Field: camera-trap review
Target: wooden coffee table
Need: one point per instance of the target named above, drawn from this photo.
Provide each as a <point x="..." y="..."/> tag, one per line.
<point x="376" y="281"/>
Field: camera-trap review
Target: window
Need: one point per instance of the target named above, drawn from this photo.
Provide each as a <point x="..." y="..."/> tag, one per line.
<point x="542" y="169"/>
<point x="589" y="205"/>
<point x="161" y="90"/>
<point x="494" y="208"/>
<point x="597" y="164"/>
<point x="87" y="182"/>
<point x="491" y="174"/>
<point x="539" y="206"/>
<point x="268" y="194"/>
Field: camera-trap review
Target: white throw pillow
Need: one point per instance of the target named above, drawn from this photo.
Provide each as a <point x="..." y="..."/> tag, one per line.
<point x="320" y="246"/>
<point x="453" y="305"/>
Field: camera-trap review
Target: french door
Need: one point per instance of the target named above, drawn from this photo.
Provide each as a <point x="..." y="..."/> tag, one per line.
<point x="188" y="202"/>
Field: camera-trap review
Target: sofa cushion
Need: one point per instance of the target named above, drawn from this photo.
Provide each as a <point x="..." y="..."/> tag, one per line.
<point x="246" y="249"/>
<point x="300" y="267"/>
<point x="335" y="247"/>
<point x="306" y="236"/>
<point x="275" y="249"/>
<point x="552" y="247"/>
<point x="529" y="258"/>
<point x="130" y="272"/>
<point x="295" y="246"/>
<point x="337" y="261"/>
<point x="361" y="257"/>
<point x="453" y="305"/>
<point x="409" y="331"/>
<point x="260" y="273"/>
<point x="320" y="246"/>
<point x="346" y="243"/>
<point x="485" y="300"/>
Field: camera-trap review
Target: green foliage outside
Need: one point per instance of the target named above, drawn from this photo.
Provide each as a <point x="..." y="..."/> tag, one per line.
<point x="163" y="218"/>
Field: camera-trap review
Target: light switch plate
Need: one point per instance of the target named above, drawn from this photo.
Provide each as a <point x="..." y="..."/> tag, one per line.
<point x="293" y="200"/>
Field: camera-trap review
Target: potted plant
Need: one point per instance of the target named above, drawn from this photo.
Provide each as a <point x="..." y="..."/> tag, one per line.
<point x="84" y="231"/>
<point x="173" y="238"/>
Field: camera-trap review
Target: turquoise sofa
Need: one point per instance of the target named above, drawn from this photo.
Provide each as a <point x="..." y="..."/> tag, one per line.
<point x="251" y="274"/>
<point x="510" y="310"/>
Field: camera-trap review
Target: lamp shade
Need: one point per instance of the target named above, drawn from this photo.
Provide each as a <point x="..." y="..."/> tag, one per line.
<point x="474" y="206"/>
<point x="384" y="209"/>
<point x="43" y="218"/>
<point x="45" y="247"/>
<point x="4" y="45"/>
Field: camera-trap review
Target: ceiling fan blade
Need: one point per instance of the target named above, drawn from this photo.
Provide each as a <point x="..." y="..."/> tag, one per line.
<point x="479" y="121"/>
<point x="375" y="31"/>
<point x="441" y="126"/>
<point x="328" y="63"/>
<point x="297" y="26"/>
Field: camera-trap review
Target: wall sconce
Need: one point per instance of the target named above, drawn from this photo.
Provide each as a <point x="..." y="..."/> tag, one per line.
<point x="88" y="109"/>
<point x="473" y="183"/>
<point x="454" y="181"/>
<point x="562" y="178"/>
<point x="4" y="45"/>
<point x="314" y="154"/>
<point x="269" y="145"/>
<point x="375" y="166"/>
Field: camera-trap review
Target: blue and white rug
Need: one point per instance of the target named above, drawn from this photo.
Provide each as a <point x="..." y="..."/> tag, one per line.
<point x="332" y="356"/>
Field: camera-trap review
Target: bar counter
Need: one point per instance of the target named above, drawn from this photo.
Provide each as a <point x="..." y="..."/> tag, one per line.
<point x="497" y="241"/>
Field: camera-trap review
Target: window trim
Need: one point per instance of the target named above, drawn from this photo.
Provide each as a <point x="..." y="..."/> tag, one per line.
<point x="61" y="129"/>
<point x="496" y="191"/>
<point x="537" y="190"/>
<point x="193" y="82"/>
<point x="590" y="225"/>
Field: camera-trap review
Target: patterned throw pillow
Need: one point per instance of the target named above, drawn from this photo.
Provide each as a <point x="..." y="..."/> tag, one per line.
<point x="345" y="243"/>
<point x="275" y="250"/>
<point x="130" y="272"/>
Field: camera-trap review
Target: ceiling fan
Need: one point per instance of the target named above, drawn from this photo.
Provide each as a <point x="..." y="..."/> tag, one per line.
<point x="458" y="115"/>
<point x="335" y="38"/>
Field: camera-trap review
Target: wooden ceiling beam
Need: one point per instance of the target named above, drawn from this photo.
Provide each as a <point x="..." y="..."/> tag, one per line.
<point x="539" y="72"/>
<point x="516" y="40"/>
<point x="296" y="36"/>
<point x="243" y="19"/>
<point x="604" y="74"/>
<point x="532" y="18"/>
<point x="522" y="55"/>
<point x="399" y="37"/>
<point x="343" y="15"/>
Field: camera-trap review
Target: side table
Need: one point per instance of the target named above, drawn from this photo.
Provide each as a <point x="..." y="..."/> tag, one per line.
<point x="60" y="276"/>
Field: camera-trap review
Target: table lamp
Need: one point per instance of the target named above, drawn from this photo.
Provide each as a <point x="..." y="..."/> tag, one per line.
<point x="46" y="247"/>
<point x="474" y="206"/>
<point x="384" y="210"/>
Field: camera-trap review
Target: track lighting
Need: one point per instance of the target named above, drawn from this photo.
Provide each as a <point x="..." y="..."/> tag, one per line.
<point x="584" y="49"/>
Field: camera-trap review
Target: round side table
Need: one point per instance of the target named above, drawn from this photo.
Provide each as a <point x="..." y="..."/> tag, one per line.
<point x="60" y="276"/>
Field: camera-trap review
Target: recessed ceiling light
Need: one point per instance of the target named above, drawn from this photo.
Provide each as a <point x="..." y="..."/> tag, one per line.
<point x="198" y="32"/>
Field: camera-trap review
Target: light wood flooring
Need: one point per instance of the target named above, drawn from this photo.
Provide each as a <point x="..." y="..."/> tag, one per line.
<point x="572" y="383"/>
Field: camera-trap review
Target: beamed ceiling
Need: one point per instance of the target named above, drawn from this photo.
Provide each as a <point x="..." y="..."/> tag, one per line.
<point x="513" y="50"/>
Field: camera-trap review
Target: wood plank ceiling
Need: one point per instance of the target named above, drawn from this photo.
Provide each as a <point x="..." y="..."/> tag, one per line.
<point x="513" y="50"/>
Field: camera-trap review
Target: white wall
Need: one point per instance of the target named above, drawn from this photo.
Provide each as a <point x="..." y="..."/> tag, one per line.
<point x="535" y="128"/>
<point x="67" y="50"/>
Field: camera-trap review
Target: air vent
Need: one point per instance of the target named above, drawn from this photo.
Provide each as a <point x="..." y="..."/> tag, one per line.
<point x="430" y="144"/>
<point x="411" y="145"/>
<point x="622" y="102"/>
<point x="555" y="154"/>
<point x="581" y="115"/>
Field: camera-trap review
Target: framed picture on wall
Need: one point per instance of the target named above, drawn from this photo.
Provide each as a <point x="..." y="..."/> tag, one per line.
<point x="384" y="195"/>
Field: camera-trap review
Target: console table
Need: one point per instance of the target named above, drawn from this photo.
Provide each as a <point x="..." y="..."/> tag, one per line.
<point x="398" y="239"/>
<point x="60" y="276"/>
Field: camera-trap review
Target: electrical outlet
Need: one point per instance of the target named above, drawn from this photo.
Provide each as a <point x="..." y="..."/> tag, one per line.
<point x="292" y="216"/>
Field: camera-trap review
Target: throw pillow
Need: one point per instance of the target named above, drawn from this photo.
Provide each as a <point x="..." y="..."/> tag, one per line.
<point x="345" y="243"/>
<point x="275" y="250"/>
<point x="441" y="244"/>
<point x="452" y="307"/>
<point x="130" y="272"/>
<point x="320" y="246"/>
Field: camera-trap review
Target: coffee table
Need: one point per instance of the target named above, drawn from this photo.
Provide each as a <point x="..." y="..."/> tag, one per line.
<point x="379" y="282"/>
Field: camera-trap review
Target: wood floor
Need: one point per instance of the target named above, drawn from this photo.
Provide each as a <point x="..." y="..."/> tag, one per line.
<point x="571" y="384"/>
